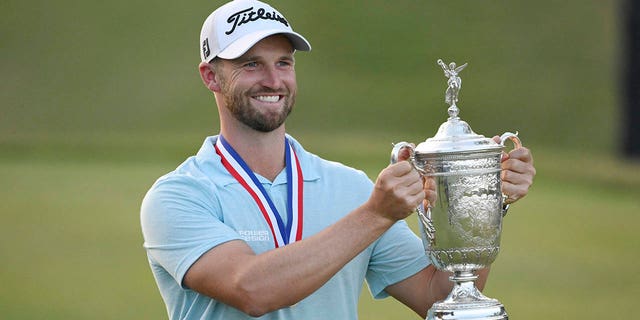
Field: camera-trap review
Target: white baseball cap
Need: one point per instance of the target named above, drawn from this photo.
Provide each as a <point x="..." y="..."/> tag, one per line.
<point x="235" y="27"/>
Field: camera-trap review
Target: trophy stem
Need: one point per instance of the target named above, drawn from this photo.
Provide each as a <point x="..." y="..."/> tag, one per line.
<point x="460" y="277"/>
<point x="465" y="301"/>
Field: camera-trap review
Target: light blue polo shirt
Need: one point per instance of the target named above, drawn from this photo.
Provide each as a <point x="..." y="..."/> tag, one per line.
<point x="200" y="205"/>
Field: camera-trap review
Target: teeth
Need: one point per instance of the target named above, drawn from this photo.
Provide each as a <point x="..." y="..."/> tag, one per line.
<point x="268" y="98"/>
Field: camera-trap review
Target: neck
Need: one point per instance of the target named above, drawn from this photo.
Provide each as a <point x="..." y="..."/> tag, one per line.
<point x="263" y="152"/>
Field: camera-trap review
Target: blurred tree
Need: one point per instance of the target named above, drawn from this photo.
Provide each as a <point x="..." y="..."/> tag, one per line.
<point x="631" y="79"/>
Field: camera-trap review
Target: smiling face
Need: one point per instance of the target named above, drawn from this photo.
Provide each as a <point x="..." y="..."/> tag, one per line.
<point x="258" y="89"/>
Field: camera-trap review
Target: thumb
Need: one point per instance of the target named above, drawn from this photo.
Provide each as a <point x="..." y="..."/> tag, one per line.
<point x="405" y="153"/>
<point x="505" y="155"/>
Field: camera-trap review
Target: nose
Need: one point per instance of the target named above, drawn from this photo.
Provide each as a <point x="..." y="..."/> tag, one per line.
<point x="271" y="78"/>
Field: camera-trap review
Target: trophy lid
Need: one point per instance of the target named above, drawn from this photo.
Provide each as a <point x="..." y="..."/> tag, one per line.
<point x="455" y="135"/>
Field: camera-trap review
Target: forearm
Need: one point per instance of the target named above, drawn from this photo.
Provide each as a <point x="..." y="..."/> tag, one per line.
<point x="310" y="263"/>
<point x="257" y="284"/>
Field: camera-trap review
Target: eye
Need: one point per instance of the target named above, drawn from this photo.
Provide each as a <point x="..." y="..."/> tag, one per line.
<point x="250" y="65"/>
<point x="285" y="63"/>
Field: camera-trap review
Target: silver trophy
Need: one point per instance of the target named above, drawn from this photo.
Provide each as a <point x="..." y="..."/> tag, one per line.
<point x="461" y="229"/>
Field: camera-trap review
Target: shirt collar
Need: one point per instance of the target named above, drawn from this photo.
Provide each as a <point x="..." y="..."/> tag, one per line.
<point x="211" y="164"/>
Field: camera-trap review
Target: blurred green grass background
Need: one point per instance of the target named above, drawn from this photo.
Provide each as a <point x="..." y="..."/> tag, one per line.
<point x="99" y="99"/>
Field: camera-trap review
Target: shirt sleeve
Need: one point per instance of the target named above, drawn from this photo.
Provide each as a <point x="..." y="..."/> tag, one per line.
<point x="181" y="221"/>
<point x="397" y="255"/>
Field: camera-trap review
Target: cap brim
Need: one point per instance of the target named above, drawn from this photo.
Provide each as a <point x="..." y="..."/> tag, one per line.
<point x="243" y="44"/>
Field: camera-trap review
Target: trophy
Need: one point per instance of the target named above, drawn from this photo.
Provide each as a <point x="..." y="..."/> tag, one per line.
<point x="461" y="229"/>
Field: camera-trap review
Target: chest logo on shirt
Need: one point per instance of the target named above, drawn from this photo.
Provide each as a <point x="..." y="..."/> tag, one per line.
<point x="255" y="235"/>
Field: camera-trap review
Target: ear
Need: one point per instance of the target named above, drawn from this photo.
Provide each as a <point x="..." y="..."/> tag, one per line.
<point x="208" y="76"/>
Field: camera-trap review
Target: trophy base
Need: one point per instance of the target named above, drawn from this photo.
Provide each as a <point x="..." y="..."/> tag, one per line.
<point x="495" y="312"/>
<point x="466" y="302"/>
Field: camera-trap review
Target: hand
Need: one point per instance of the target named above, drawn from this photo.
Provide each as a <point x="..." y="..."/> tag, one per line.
<point x="429" y="183"/>
<point x="517" y="173"/>
<point x="398" y="190"/>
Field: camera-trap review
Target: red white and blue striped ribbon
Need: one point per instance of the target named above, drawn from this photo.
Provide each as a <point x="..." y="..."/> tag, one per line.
<point x="283" y="234"/>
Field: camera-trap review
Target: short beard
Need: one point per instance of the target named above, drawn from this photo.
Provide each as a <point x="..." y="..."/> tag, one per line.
<point x="240" y="107"/>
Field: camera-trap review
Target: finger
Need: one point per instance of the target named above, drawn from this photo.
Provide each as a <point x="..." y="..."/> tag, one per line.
<point x="514" y="169"/>
<point x="520" y="178"/>
<point x="504" y="156"/>
<point x="405" y="152"/>
<point x="430" y="198"/>
<point x="429" y="187"/>
<point x="514" y="192"/>
<point x="407" y="197"/>
<point x="516" y="166"/>
<point x="415" y="186"/>
<point x="400" y="169"/>
<point x="430" y="183"/>
<point x="523" y="154"/>
<point x="409" y="186"/>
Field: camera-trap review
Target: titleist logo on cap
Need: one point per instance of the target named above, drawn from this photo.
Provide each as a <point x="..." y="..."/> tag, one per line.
<point x="248" y="15"/>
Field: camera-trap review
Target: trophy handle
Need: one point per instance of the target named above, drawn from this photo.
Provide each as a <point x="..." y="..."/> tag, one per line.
<point x="427" y="223"/>
<point x="395" y="152"/>
<point x="516" y="144"/>
<point x="513" y="137"/>
<point x="425" y="217"/>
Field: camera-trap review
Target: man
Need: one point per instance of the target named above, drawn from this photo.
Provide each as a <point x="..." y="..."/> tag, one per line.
<point x="255" y="226"/>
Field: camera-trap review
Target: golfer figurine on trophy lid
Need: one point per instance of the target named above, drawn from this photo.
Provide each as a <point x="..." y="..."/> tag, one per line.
<point x="461" y="229"/>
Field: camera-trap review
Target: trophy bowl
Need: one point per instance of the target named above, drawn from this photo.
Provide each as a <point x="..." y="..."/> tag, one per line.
<point x="461" y="230"/>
